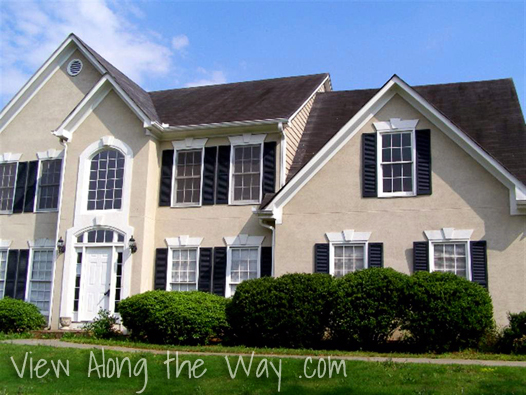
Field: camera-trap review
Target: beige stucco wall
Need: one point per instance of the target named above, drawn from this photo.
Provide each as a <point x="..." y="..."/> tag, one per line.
<point x="294" y="130"/>
<point x="30" y="132"/>
<point x="465" y="196"/>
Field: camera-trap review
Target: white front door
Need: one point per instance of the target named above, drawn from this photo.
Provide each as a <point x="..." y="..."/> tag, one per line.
<point x="96" y="279"/>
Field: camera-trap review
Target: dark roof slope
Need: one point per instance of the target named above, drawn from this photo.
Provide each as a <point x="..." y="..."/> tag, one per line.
<point x="139" y="96"/>
<point x="242" y="101"/>
<point x="487" y="111"/>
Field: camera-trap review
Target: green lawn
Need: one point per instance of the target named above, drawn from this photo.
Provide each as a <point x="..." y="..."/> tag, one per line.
<point x="362" y="377"/>
<point x="286" y="351"/>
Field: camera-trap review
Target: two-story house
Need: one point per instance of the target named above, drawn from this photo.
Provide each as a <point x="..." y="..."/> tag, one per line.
<point x="107" y="190"/>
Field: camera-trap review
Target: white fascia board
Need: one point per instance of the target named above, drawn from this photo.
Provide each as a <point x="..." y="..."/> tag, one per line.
<point x="325" y="80"/>
<point x="168" y="128"/>
<point x="90" y="103"/>
<point x="396" y="86"/>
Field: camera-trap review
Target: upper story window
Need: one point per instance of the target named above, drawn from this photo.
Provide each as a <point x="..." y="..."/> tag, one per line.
<point x="7" y="185"/>
<point x="188" y="172"/>
<point x="397" y="163"/>
<point x="106" y="180"/>
<point x="49" y="184"/>
<point x="246" y="173"/>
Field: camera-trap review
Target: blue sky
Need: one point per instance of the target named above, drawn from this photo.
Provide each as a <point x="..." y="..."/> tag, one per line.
<point x="164" y="45"/>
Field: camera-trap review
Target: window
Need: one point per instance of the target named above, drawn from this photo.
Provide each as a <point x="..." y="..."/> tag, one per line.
<point x="188" y="177"/>
<point x="244" y="265"/>
<point x="7" y="185"/>
<point x="106" y="181"/>
<point x="100" y="236"/>
<point x="246" y="173"/>
<point x="348" y="258"/>
<point x="49" y="184"/>
<point x="451" y="258"/>
<point x="118" y="282"/>
<point x="184" y="270"/>
<point x="3" y="270"/>
<point x="40" y="280"/>
<point x="396" y="165"/>
<point x="77" y="282"/>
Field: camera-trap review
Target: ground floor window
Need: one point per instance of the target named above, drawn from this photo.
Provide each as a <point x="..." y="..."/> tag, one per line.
<point x="348" y="258"/>
<point x="40" y="280"/>
<point x="3" y="269"/>
<point x="243" y="266"/>
<point x="450" y="258"/>
<point x="184" y="269"/>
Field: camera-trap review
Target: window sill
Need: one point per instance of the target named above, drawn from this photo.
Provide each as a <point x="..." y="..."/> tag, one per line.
<point x="397" y="195"/>
<point x="47" y="211"/>
<point x="185" y="205"/>
<point x="6" y="212"/>
<point x="252" y="203"/>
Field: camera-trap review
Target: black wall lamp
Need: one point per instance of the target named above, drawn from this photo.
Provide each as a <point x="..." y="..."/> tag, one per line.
<point x="133" y="245"/>
<point x="61" y="246"/>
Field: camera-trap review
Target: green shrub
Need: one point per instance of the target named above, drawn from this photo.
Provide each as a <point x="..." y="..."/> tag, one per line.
<point x="103" y="326"/>
<point x="17" y="316"/>
<point x="288" y="311"/>
<point x="367" y="307"/>
<point x="164" y="317"/>
<point x="513" y="338"/>
<point x="447" y="312"/>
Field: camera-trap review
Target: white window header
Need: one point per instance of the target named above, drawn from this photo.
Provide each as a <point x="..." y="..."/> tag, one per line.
<point x="189" y="143"/>
<point x="9" y="157"/>
<point x="396" y="124"/>
<point x="247" y="139"/>
<point x="347" y="236"/>
<point x="5" y="244"/>
<point x="448" y="234"/>
<point x="183" y="241"/>
<point x="50" y="154"/>
<point x="244" y="240"/>
<point x="41" y="243"/>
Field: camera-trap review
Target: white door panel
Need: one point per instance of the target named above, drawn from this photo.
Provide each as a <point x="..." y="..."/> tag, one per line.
<point x="96" y="279"/>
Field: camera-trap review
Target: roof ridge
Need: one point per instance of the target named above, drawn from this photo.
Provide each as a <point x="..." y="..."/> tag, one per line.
<point x="239" y="82"/>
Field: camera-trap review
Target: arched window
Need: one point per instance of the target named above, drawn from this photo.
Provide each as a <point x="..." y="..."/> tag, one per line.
<point x="106" y="180"/>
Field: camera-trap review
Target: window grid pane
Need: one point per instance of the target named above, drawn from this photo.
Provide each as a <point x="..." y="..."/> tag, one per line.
<point x="49" y="184"/>
<point x="7" y="185"/>
<point x="244" y="266"/>
<point x="247" y="173"/>
<point x="77" y="282"/>
<point x="40" y="280"/>
<point x="3" y="269"/>
<point x="348" y="258"/>
<point x="397" y="160"/>
<point x="188" y="177"/>
<point x="106" y="181"/>
<point x="184" y="270"/>
<point x="450" y="258"/>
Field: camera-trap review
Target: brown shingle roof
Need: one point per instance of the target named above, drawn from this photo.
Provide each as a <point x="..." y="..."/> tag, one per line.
<point x="487" y="111"/>
<point x="242" y="101"/>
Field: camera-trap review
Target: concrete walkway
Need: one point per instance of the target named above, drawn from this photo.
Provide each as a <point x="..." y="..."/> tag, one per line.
<point x="435" y="361"/>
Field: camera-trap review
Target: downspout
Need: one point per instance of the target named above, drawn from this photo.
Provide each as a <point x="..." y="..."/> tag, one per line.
<point x="64" y="143"/>
<point x="273" y="230"/>
<point x="283" y="150"/>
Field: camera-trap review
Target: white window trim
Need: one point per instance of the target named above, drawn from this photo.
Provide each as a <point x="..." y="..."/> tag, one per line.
<point x="236" y="141"/>
<point x="241" y="241"/>
<point x="189" y="144"/>
<point x="50" y="154"/>
<point x="170" y="265"/>
<point x="449" y="236"/>
<point x="10" y="158"/>
<point x="348" y="238"/>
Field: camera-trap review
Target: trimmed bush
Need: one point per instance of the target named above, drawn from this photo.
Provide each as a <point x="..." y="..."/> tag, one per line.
<point x="288" y="311"/>
<point x="103" y="326"/>
<point x="514" y="336"/>
<point x="163" y="317"/>
<point x="367" y="307"/>
<point x="447" y="312"/>
<point x="17" y="316"/>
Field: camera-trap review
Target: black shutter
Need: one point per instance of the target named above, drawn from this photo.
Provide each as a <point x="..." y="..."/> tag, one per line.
<point x="209" y="175"/>
<point x="269" y="167"/>
<point x="165" y="191"/>
<point x="321" y="258"/>
<point x="376" y="255"/>
<point x="223" y="174"/>
<point x="266" y="262"/>
<point x="161" y="268"/>
<point x="31" y="186"/>
<point x="423" y="162"/>
<point x="20" y="187"/>
<point x="10" y="276"/>
<point x="369" y="177"/>
<point x="479" y="262"/>
<point x="420" y="256"/>
<point x="205" y="269"/>
<point x="219" y="271"/>
<point x="21" y="278"/>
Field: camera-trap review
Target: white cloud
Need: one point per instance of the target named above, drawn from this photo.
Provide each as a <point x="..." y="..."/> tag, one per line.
<point x="31" y="31"/>
<point x="180" y="42"/>
<point x="212" y="78"/>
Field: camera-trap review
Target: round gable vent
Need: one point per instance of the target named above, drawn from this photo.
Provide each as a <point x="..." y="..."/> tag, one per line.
<point x="74" y="67"/>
